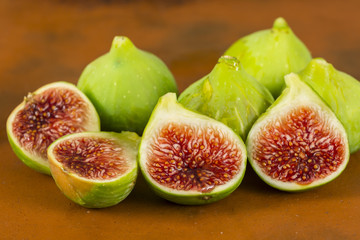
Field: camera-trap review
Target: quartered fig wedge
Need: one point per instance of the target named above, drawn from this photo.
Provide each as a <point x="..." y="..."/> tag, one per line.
<point x="95" y="169"/>
<point x="298" y="143"/>
<point x="270" y="54"/>
<point x="229" y="95"/>
<point x="125" y="84"/>
<point x="189" y="158"/>
<point x="340" y="91"/>
<point x="52" y="111"/>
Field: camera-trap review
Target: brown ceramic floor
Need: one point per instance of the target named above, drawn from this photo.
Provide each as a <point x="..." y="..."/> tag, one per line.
<point x="42" y="42"/>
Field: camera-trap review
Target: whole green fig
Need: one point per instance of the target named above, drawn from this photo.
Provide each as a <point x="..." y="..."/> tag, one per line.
<point x="341" y="92"/>
<point x="270" y="54"/>
<point x="228" y="94"/>
<point x="124" y="85"/>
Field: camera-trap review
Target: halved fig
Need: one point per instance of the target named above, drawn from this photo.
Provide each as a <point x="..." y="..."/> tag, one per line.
<point x="340" y="91"/>
<point x="52" y="111"/>
<point x="95" y="169"/>
<point x="270" y="54"/>
<point x="125" y="85"/>
<point x="298" y="143"/>
<point x="189" y="158"/>
<point x="228" y="94"/>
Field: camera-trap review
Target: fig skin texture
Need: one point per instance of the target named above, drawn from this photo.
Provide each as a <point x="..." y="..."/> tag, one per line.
<point x="303" y="150"/>
<point x="95" y="193"/>
<point x="32" y="158"/>
<point x="175" y="152"/>
<point x="340" y="91"/>
<point x="125" y="84"/>
<point x="229" y="95"/>
<point x="270" y="54"/>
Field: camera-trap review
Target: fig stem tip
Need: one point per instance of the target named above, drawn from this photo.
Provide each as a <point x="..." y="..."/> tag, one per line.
<point x="280" y="23"/>
<point x="230" y="61"/>
<point x="121" y="42"/>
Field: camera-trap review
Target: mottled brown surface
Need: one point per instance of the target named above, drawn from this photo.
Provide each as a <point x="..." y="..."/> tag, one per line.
<point x="46" y="41"/>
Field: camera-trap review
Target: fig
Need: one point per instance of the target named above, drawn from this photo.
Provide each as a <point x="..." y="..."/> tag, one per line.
<point x="270" y="54"/>
<point x="52" y="111"/>
<point x="228" y="94"/>
<point x="189" y="158"/>
<point x="341" y="92"/>
<point x="298" y="143"/>
<point x="125" y="84"/>
<point x="95" y="169"/>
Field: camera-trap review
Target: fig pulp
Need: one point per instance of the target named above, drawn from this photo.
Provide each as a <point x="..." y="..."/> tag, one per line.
<point x="270" y="54"/>
<point x="52" y="111"/>
<point x="124" y="85"/>
<point x="229" y="95"/>
<point x="340" y="91"/>
<point x="95" y="169"/>
<point x="189" y="158"/>
<point x="298" y="143"/>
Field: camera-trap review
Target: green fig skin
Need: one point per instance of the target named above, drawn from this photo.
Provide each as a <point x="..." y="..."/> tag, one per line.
<point x="270" y="54"/>
<point x="296" y="94"/>
<point x="229" y="95"/>
<point x="340" y="91"/>
<point x="169" y="110"/>
<point x="125" y="84"/>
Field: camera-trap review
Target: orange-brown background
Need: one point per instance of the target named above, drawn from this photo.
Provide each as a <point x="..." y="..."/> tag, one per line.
<point x="46" y="41"/>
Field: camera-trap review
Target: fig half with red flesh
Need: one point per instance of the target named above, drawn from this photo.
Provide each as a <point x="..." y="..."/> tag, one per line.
<point x="298" y="143"/>
<point x="189" y="158"/>
<point x="52" y="111"/>
<point x="95" y="169"/>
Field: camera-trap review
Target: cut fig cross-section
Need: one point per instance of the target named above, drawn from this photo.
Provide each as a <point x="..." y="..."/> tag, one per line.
<point x="298" y="143"/>
<point x="95" y="169"/>
<point x="189" y="158"/>
<point x="52" y="111"/>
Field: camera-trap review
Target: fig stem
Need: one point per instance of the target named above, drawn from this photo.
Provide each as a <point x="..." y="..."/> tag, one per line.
<point x="120" y="44"/>
<point x="230" y="61"/>
<point x="321" y="61"/>
<point x="280" y="24"/>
